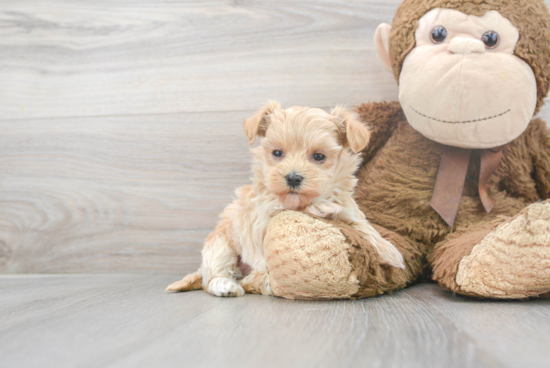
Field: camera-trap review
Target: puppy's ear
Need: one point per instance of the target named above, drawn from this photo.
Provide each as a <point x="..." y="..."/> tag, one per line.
<point x="257" y="125"/>
<point x="353" y="133"/>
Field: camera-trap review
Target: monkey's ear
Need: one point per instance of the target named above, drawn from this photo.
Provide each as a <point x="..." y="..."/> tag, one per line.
<point x="382" y="44"/>
<point x="257" y="125"/>
<point x="354" y="134"/>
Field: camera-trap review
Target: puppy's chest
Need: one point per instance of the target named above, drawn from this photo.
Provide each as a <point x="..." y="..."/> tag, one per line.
<point x="249" y="229"/>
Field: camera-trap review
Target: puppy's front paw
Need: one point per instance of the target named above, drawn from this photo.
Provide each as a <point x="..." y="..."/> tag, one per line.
<point x="389" y="254"/>
<point x="267" y="285"/>
<point x="257" y="283"/>
<point x="222" y="286"/>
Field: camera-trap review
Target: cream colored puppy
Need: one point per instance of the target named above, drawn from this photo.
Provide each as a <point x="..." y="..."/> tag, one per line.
<point x="304" y="163"/>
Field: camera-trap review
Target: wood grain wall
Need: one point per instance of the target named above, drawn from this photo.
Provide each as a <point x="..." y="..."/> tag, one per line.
<point x="120" y="121"/>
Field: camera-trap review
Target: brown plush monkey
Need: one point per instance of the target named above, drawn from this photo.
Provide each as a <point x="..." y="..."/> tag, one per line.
<point x="456" y="176"/>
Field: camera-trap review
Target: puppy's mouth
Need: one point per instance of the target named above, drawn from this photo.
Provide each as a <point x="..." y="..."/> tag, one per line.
<point x="293" y="196"/>
<point x="297" y="199"/>
<point x="293" y="200"/>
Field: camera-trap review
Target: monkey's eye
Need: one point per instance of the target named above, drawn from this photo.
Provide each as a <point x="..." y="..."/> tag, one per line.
<point x="491" y="39"/>
<point x="439" y="34"/>
<point x="278" y="153"/>
<point x="319" y="157"/>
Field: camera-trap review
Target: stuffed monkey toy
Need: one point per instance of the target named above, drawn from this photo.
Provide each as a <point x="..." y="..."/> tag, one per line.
<point x="457" y="173"/>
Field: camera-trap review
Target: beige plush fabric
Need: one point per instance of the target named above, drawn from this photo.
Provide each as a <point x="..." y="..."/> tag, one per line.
<point x="314" y="264"/>
<point x="530" y="17"/>
<point x="441" y="85"/>
<point x="513" y="261"/>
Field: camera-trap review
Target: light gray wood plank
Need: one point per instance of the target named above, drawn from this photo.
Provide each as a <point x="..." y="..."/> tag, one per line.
<point x="127" y="321"/>
<point x="137" y="186"/>
<point x="119" y="193"/>
<point x="491" y="323"/>
<point x="66" y="58"/>
<point x="62" y="58"/>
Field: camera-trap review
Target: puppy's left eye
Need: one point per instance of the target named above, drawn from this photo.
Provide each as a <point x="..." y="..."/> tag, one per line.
<point x="278" y="153"/>
<point x="319" y="157"/>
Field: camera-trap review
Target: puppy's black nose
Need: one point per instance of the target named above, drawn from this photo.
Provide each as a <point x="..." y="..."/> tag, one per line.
<point x="294" y="180"/>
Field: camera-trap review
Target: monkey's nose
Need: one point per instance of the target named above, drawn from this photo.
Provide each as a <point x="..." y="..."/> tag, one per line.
<point x="294" y="180"/>
<point x="463" y="45"/>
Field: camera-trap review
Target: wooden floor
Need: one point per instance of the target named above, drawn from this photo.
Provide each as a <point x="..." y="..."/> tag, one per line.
<point x="128" y="321"/>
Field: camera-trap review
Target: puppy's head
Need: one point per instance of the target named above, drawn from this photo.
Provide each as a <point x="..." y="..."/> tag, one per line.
<point x="305" y="153"/>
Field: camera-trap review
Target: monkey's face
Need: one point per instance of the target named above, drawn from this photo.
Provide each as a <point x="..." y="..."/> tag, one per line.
<point x="462" y="85"/>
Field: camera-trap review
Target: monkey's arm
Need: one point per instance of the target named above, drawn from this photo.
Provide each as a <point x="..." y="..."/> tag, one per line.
<point x="382" y="118"/>
<point x="539" y="144"/>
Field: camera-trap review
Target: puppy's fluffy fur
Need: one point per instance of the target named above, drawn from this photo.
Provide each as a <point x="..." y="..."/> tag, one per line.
<point x="314" y="146"/>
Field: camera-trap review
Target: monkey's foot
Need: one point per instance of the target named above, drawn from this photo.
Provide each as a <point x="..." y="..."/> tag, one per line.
<point x="513" y="260"/>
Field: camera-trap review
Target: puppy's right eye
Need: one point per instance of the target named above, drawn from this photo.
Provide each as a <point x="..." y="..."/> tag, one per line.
<point x="277" y="153"/>
<point x="319" y="157"/>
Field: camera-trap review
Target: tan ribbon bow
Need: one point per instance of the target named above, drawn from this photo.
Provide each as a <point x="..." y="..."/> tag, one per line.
<point x="452" y="175"/>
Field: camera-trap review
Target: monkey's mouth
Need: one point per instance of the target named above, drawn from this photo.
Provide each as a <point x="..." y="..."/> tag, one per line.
<point x="460" y="122"/>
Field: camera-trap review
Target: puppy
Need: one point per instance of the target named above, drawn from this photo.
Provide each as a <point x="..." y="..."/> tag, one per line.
<point x="304" y="163"/>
